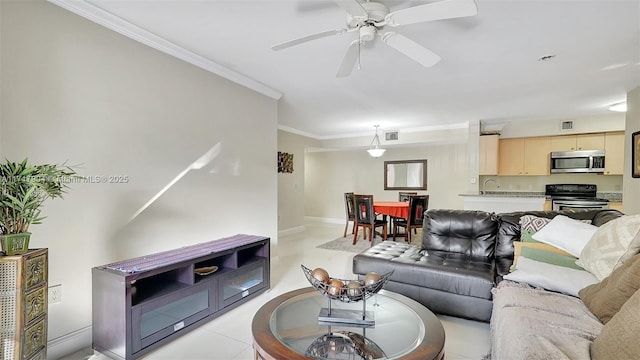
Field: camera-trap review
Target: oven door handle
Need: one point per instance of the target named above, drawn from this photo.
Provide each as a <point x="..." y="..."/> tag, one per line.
<point x="590" y="162"/>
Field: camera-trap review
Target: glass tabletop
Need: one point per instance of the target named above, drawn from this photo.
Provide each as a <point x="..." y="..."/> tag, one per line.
<point x="398" y="329"/>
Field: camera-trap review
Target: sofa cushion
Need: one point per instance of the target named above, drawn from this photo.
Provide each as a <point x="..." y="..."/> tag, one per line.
<point x="534" y="324"/>
<point x="440" y="270"/>
<point x="544" y="253"/>
<point x="567" y="234"/>
<point x="619" y="337"/>
<point x="509" y="230"/>
<point x="531" y="224"/>
<point x="612" y="243"/>
<point x="551" y="277"/>
<point x="469" y="233"/>
<point x="605" y="298"/>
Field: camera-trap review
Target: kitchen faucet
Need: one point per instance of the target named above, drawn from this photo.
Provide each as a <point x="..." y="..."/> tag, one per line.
<point x="484" y="184"/>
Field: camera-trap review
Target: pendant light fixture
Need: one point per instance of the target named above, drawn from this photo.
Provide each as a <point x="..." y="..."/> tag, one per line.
<point x="374" y="148"/>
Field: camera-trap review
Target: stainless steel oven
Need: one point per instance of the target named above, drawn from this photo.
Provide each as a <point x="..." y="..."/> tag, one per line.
<point x="574" y="197"/>
<point x="578" y="204"/>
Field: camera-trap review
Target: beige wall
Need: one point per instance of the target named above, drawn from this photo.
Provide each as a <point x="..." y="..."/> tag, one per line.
<point x="329" y="175"/>
<point x="291" y="185"/>
<point x="74" y="91"/>
<point x="631" y="186"/>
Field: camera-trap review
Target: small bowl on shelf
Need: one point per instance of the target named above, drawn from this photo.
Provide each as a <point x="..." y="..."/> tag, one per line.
<point x="346" y="290"/>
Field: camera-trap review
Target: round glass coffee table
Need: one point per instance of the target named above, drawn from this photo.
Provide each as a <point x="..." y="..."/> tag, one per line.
<point x="287" y="327"/>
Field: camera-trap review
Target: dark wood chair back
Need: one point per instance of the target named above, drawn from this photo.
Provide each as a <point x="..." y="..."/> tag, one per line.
<point x="349" y="206"/>
<point x="404" y="196"/>
<point x="364" y="209"/>
<point x="418" y="204"/>
<point x="366" y="218"/>
<point x="350" y="212"/>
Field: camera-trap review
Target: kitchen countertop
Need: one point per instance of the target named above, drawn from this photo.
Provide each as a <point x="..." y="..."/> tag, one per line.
<point x="529" y="194"/>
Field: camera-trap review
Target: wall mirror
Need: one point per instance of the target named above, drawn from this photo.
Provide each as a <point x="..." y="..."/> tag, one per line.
<point x="405" y="175"/>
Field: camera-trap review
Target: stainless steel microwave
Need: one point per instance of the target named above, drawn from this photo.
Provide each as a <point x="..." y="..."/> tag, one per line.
<point x="583" y="161"/>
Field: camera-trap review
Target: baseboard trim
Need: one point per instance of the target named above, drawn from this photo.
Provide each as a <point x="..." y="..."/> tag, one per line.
<point x="324" y="220"/>
<point x="293" y="230"/>
<point x="69" y="343"/>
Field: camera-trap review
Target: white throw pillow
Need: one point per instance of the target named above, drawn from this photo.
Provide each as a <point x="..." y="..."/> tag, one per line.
<point x="612" y="244"/>
<point x="566" y="234"/>
<point x="551" y="277"/>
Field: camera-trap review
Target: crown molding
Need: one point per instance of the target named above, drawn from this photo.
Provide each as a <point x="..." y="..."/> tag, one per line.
<point x="100" y="16"/>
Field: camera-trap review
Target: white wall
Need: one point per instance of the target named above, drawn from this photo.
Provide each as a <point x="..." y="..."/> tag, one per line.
<point x="631" y="185"/>
<point x="291" y="185"/>
<point x="74" y="91"/>
<point x="329" y="175"/>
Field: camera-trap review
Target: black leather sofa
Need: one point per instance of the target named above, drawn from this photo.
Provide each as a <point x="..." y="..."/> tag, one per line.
<point x="464" y="254"/>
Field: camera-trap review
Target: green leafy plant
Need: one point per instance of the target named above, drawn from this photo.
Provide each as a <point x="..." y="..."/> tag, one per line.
<point x="23" y="190"/>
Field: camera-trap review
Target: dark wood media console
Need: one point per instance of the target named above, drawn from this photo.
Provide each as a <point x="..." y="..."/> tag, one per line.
<point x="140" y="304"/>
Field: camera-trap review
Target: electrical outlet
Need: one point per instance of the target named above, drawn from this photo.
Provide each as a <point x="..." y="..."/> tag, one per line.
<point x="55" y="294"/>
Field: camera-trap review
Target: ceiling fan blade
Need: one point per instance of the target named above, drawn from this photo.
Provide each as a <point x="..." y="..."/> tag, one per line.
<point x="349" y="60"/>
<point x="304" y="39"/>
<point x="447" y="9"/>
<point x="412" y="49"/>
<point x="352" y="7"/>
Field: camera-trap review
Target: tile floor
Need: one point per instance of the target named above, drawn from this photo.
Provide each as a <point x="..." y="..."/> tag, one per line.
<point x="229" y="336"/>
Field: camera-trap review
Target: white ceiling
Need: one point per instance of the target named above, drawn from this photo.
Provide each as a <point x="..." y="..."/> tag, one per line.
<point x="489" y="69"/>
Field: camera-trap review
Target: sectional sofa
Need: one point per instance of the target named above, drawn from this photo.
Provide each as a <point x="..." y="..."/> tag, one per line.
<point x="465" y="268"/>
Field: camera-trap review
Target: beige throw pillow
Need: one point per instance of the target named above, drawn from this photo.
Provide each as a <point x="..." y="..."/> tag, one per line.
<point x="619" y="337"/>
<point x="611" y="244"/>
<point x="605" y="298"/>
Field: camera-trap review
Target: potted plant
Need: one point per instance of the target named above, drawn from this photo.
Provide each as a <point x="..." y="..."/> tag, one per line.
<point x="23" y="189"/>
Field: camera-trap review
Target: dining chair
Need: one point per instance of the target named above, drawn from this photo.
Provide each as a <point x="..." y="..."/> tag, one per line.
<point x="404" y="196"/>
<point x="418" y="204"/>
<point x="366" y="218"/>
<point x="350" y="211"/>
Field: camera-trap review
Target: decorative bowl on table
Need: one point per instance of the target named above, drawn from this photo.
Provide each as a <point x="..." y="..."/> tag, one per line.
<point x="345" y="290"/>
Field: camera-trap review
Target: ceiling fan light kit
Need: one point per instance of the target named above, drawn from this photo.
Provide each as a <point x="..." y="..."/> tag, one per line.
<point x="370" y="18"/>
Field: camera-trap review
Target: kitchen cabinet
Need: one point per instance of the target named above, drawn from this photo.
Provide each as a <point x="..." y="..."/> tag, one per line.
<point x="614" y="153"/>
<point x="616" y="205"/>
<point x="547" y="205"/>
<point x="578" y="142"/>
<point x="488" y="155"/>
<point x="524" y="156"/>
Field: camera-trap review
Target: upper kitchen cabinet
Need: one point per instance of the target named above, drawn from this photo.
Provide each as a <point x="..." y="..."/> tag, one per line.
<point x="524" y="156"/>
<point x="614" y="153"/>
<point x="578" y="142"/>
<point x="488" y="155"/>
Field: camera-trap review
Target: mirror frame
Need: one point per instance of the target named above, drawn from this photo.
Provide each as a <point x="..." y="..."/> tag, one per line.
<point x="424" y="175"/>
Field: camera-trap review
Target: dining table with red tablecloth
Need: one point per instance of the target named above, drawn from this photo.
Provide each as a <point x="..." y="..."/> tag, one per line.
<point x="398" y="209"/>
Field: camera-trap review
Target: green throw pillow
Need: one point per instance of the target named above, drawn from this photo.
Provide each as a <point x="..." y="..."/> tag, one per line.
<point x="550" y="257"/>
<point x="526" y="236"/>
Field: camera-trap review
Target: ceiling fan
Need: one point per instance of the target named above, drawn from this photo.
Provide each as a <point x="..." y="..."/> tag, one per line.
<point x="370" y="18"/>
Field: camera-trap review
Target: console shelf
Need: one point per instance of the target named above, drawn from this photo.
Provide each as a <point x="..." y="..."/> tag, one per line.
<point x="142" y="303"/>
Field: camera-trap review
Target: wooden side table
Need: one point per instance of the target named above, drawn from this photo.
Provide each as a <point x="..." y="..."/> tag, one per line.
<point x="23" y="305"/>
